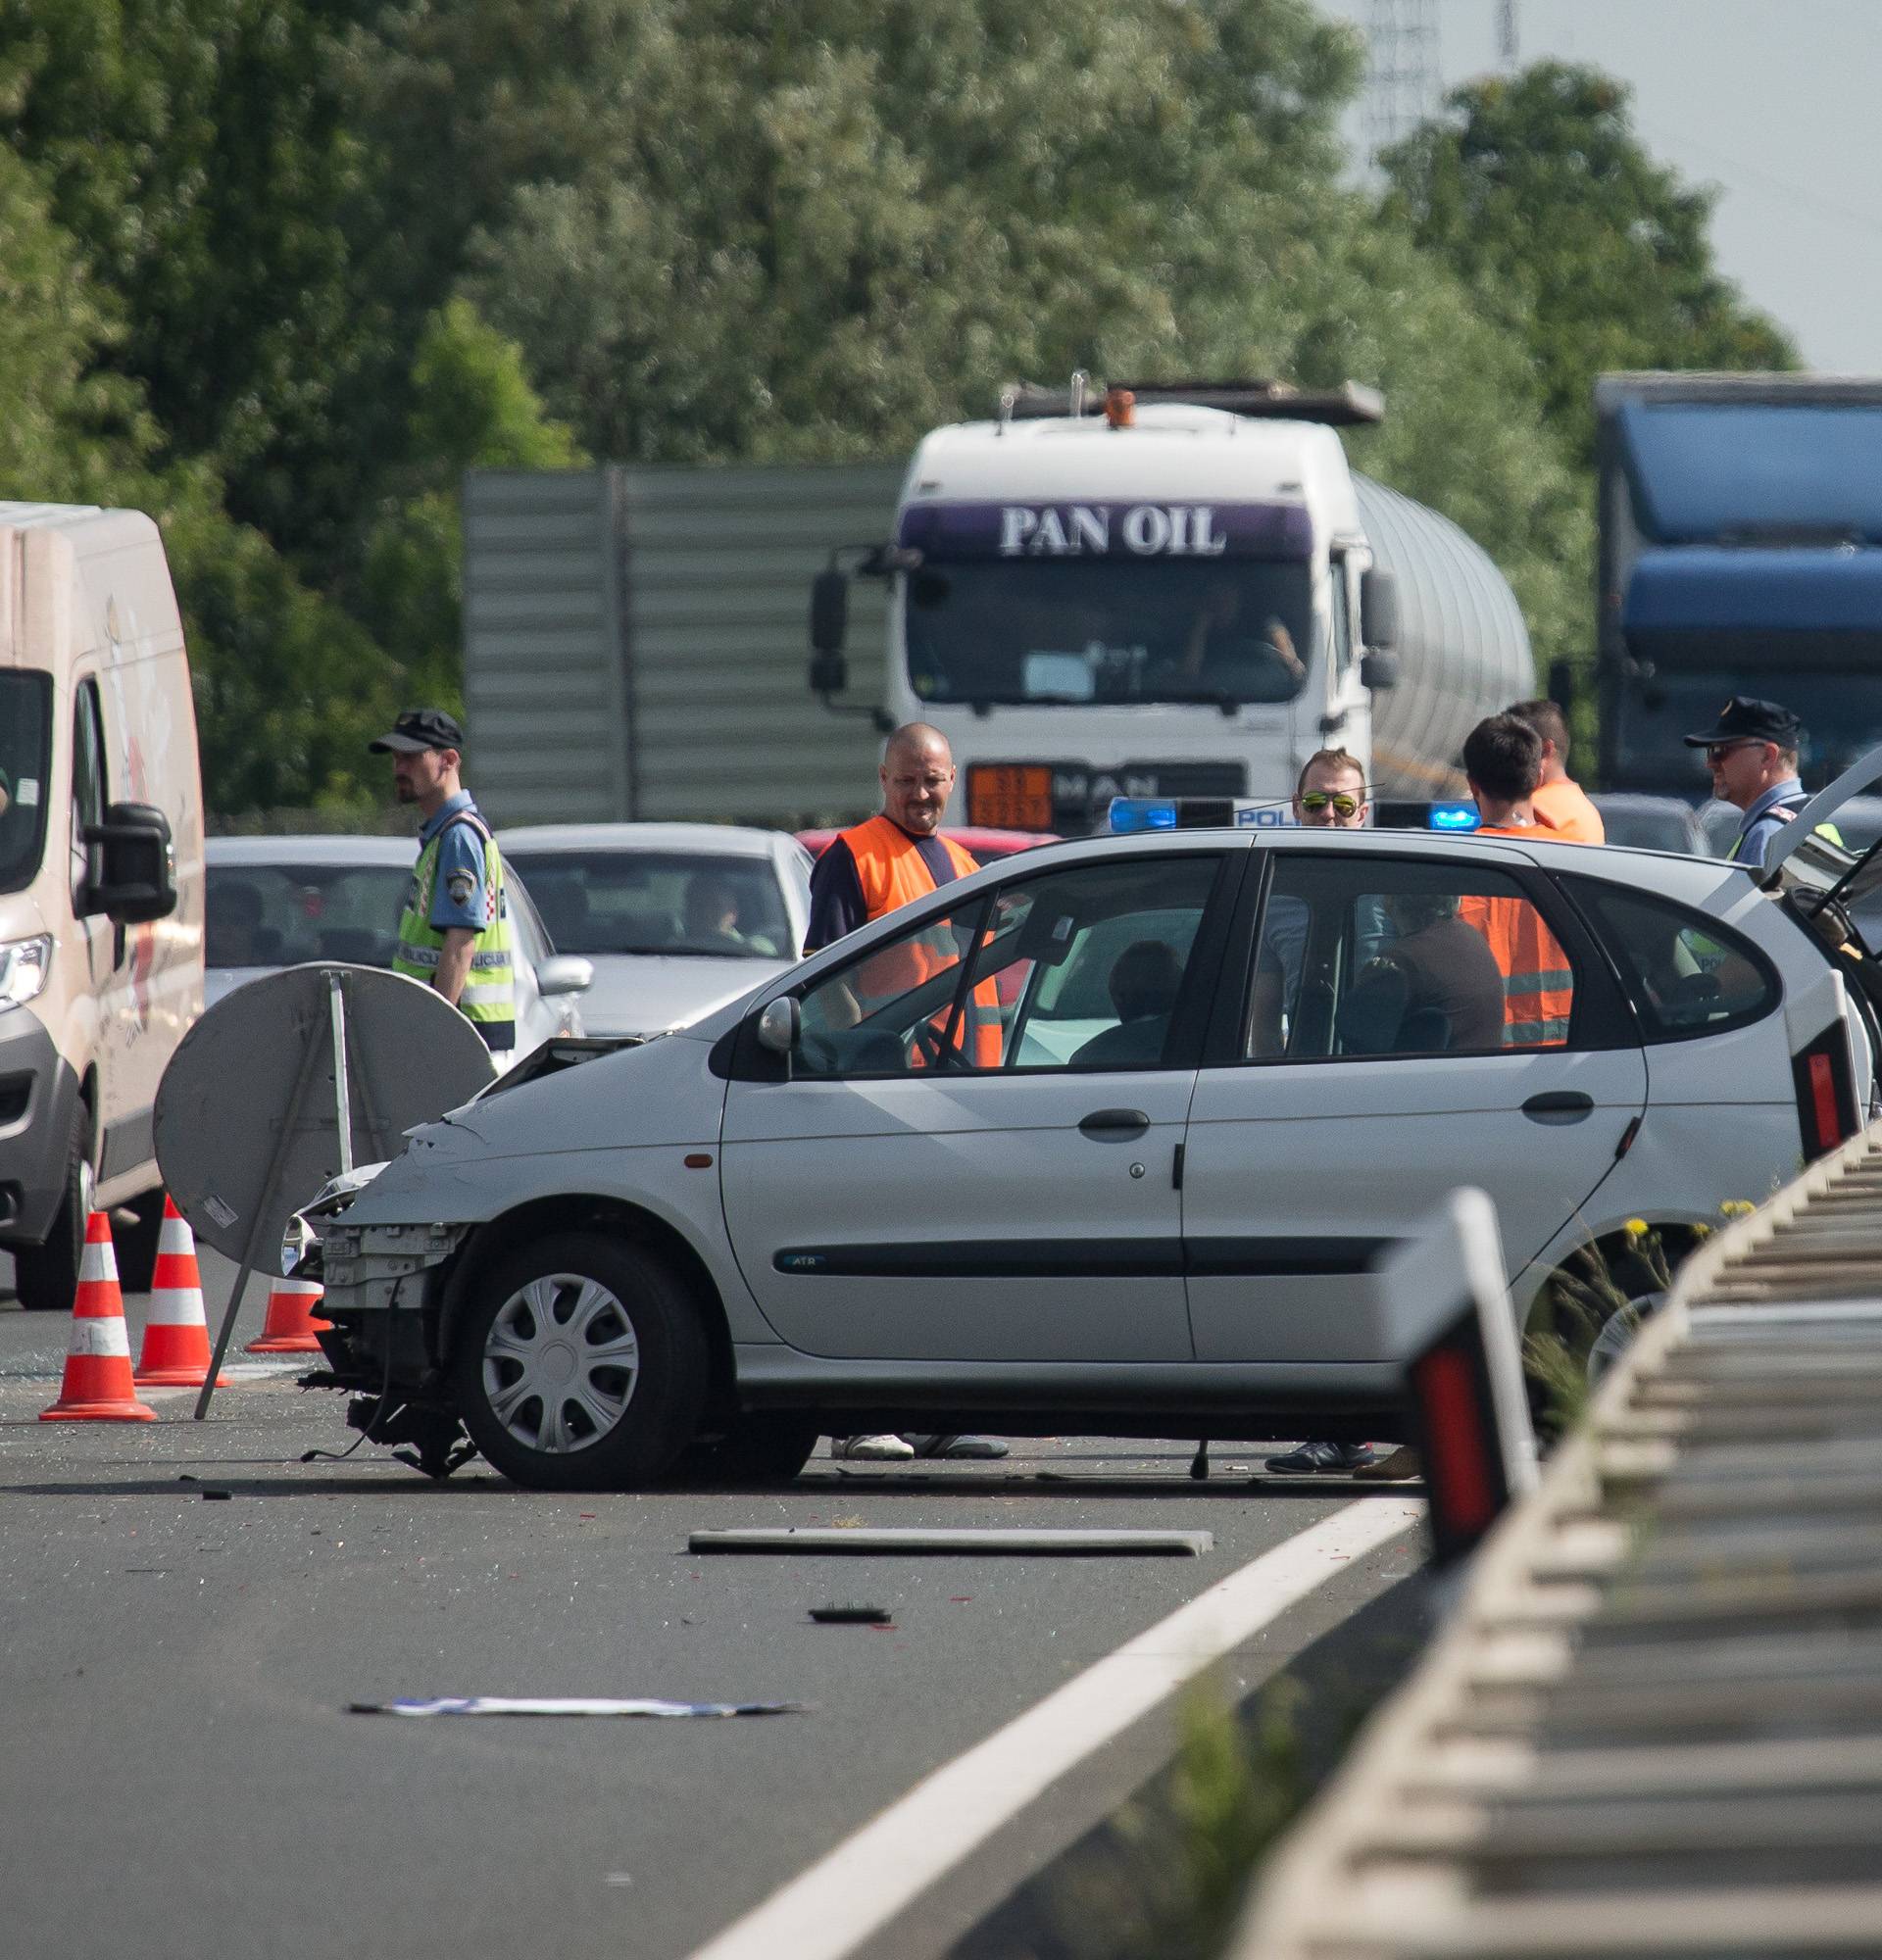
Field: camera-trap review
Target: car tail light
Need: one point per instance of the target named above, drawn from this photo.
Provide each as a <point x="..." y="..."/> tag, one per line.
<point x="1826" y="1109"/>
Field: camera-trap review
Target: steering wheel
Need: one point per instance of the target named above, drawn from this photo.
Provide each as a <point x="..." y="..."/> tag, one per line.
<point x="935" y="1049"/>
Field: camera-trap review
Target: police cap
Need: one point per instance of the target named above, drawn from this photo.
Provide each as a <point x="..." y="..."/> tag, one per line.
<point x="420" y="728"/>
<point x="1746" y="718"/>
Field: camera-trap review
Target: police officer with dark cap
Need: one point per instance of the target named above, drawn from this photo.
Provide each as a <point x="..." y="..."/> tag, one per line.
<point x="454" y="933"/>
<point x="1752" y="755"/>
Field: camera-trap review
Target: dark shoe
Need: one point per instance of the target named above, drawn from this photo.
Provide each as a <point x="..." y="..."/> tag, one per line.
<point x="1321" y="1458"/>
<point x="982" y="1447"/>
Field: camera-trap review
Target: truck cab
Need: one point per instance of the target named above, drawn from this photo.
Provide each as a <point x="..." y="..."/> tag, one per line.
<point x="1740" y="552"/>
<point x="1161" y="599"/>
<point x="1174" y="588"/>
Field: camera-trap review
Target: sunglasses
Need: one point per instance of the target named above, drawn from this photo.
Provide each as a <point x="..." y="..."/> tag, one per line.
<point x="1715" y="750"/>
<point x="1343" y="804"/>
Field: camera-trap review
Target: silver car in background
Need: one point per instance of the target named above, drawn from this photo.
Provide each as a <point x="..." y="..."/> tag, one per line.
<point x="277" y="902"/>
<point x="1637" y="823"/>
<point x="678" y="918"/>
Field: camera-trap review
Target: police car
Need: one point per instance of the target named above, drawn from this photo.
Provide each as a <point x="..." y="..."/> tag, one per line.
<point x="1102" y="1138"/>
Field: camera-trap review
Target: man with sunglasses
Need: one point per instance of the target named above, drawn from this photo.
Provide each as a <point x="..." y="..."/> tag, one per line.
<point x="1752" y="755"/>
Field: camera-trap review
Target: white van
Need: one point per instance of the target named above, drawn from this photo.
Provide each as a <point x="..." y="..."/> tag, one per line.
<point x="101" y="881"/>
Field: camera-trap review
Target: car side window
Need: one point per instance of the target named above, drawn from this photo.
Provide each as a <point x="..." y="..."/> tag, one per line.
<point x="89" y="789"/>
<point x="1685" y="974"/>
<point x="1069" y="969"/>
<point x="1378" y="957"/>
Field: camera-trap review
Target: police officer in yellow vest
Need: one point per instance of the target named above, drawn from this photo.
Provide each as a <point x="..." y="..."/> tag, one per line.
<point x="868" y="871"/>
<point x="454" y="933"/>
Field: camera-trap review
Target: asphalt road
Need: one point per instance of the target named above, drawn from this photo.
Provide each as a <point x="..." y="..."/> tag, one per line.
<point x="180" y="1774"/>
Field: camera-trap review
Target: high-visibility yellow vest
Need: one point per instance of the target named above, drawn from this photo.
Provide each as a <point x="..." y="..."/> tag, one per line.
<point x="489" y="997"/>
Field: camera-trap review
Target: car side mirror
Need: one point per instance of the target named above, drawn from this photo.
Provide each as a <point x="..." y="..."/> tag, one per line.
<point x="137" y="878"/>
<point x="778" y="1024"/>
<point x="564" y="973"/>
<point x="1378" y="671"/>
<point x="1378" y="610"/>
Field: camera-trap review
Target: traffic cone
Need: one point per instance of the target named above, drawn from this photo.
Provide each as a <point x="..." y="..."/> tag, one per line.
<point x="290" y="1327"/>
<point x="177" y="1333"/>
<point x="97" y="1387"/>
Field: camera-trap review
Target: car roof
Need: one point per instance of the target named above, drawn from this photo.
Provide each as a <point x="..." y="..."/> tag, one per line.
<point x="725" y="840"/>
<point x="326" y="850"/>
<point x="1641" y="800"/>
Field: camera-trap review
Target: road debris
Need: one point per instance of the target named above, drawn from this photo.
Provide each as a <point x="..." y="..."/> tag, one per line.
<point x="991" y="1538"/>
<point x="851" y="1614"/>
<point x="498" y="1704"/>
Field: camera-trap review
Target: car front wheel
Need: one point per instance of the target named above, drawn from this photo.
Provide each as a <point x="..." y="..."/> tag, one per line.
<point x="581" y="1366"/>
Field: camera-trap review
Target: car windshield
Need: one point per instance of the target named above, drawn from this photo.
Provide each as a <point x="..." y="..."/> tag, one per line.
<point x="1841" y="714"/>
<point x="26" y="720"/>
<point x="1114" y="633"/>
<point x="284" y="915"/>
<point x="662" y="902"/>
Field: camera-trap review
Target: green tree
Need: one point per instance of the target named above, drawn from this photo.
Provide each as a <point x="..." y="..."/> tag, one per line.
<point x="199" y="153"/>
<point x="1537" y="191"/>
<point x="472" y="408"/>
<point x="904" y="204"/>
<point x="1465" y="429"/>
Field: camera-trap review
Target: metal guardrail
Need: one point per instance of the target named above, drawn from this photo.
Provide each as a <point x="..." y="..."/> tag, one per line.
<point x="1653" y="1724"/>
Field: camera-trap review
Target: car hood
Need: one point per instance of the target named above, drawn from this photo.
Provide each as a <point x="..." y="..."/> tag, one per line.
<point x="661" y="1092"/>
<point x="646" y="994"/>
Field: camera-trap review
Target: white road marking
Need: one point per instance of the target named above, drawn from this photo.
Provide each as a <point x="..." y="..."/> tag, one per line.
<point x="833" y="1907"/>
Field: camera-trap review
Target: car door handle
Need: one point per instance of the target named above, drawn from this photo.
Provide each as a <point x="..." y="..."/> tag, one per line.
<point x="1558" y="1106"/>
<point x="1114" y="1126"/>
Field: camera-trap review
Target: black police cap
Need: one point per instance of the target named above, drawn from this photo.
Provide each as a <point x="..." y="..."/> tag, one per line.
<point x="1747" y="718"/>
<point x="418" y="729"/>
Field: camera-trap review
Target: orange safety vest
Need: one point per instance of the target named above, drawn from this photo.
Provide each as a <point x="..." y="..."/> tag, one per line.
<point x="1538" y="983"/>
<point x="891" y="874"/>
<point x="1564" y="814"/>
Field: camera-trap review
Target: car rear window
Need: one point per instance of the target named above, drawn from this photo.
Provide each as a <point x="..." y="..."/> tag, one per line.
<point x="284" y="915"/>
<point x="628" y="902"/>
<point x="1686" y="974"/>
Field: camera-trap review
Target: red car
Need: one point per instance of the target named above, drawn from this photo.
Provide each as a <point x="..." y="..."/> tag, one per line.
<point x="982" y="845"/>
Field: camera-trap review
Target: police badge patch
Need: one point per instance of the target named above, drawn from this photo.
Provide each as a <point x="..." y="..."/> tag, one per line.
<point x="459" y="886"/>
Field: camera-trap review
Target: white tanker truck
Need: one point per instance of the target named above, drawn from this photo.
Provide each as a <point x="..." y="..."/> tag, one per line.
<point x="1174" y="590"/>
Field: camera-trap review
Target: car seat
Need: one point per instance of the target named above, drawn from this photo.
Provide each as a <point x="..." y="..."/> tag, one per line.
<point x="1372" y="1016"/>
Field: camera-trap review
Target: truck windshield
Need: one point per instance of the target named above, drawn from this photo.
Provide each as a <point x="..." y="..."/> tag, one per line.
<point x="1109" y="633"/>
<point x="1841" y="714"/>
<point x="26" y="723"/>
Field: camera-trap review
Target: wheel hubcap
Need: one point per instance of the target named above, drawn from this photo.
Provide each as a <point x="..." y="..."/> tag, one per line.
<point x="560" y="1363"/>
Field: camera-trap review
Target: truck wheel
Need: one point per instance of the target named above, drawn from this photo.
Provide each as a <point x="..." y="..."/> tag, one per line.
<point x="47" y="1276"/>
<point x="581" y="1365"/>
<point x="763" y="1448"/>
<point x="135" y="1245"/>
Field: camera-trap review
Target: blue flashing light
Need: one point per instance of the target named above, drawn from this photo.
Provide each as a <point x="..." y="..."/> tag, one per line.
<point x="1131" y="815"/>
<point x="1453" y="816"/>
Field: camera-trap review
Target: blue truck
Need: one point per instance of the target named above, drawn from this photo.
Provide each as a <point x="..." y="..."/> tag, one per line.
<point x="1740" y="552"/>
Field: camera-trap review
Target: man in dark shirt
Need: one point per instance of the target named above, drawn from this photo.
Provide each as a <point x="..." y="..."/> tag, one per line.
<point x="868" y="871"/>
<point x="879" y="865"/>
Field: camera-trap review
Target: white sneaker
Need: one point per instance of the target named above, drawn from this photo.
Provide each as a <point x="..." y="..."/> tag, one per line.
<point x="870" y="1449"/>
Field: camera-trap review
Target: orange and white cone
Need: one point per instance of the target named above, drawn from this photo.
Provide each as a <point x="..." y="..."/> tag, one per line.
<point x="176" y="1332"/>
<point x="290" y="1327"/>
<point x="97" y="1386"/>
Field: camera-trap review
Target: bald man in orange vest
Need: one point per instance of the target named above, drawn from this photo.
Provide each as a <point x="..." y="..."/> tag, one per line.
<point x="868" y="871"/>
